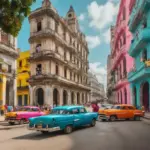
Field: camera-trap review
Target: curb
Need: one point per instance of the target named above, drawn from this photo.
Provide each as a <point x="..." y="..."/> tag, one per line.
<point x="147" y="121"/>
<point x="146" y="118"/>
<point x="12" y="127"/>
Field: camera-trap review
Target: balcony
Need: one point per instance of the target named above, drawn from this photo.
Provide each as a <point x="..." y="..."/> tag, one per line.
<point x="121" y="83"/>
<point x="142" y="72"/>
<point x="119" y="56"/>
<point x="139" y="41"/>
<point x="137" y="13"/>
<point x="22" y="88"/>
<point x="46" y="55"/>
<point x="36" y="79"/>
<point x="53" y="34"/>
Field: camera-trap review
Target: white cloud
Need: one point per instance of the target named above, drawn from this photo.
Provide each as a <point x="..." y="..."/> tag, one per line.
<point x="100" y="72"/>
<point x="102" y="15"/>
<point x="81" y="17"/>
<point x="93" y="41"/>
<point x="106" y="36"/>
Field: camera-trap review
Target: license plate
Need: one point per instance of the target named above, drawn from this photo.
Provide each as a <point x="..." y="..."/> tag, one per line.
<point x="39" y="126"/>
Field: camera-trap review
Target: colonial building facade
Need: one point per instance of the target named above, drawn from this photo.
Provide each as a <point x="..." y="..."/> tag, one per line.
<point x="23" y="74"/>
<point x="139" y="76"/>
<point x="8" y="56"/>
<point x="59" y="58"/>
<point x="97" y="89"/>
<point x="121" y="61"/>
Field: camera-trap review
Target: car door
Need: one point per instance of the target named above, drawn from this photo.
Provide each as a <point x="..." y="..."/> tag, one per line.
<point x="131" y="110"/>
<point x="78" y="118"/>
<point x="123" y="112"/>
<point x="86" y="118"/>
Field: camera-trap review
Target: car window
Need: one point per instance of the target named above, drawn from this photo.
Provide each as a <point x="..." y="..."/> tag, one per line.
<point x="130" y="107"/>
<point x="82" y="110"/>
<point x="66" y="112"/>
<point x="75" y="111"/>
<point x="116" y="107"/>
<point x="124" y="107"/>
<point x="34" y="109"/>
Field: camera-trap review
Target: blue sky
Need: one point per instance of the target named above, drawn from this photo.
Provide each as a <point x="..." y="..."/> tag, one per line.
<point x="95" y="18"/>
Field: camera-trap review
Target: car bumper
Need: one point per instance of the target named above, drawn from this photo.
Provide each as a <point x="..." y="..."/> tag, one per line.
<point x="44" y="129"/>
<point x="103" y="117"/>
<point x="11" y="120"/>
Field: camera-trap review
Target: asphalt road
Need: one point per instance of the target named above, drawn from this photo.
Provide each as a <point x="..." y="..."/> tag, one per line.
<point x="121" y="135"/>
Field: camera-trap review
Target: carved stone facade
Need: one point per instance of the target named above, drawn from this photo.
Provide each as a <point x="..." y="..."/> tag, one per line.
<point x="8" y="56"/>
<point x="59" y="58"/>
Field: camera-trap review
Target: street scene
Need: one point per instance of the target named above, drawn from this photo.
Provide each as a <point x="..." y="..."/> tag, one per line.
<point x="74" y="75"/>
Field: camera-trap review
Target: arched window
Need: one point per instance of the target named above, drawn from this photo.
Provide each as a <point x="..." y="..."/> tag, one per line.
<point x="39" y="26"/>
<point x="38" y="48"/>
<point x="57" y="69"/>
<point x="65" y="72"/>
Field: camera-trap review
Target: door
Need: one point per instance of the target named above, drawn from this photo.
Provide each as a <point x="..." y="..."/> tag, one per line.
<point x="77" y="117"/>
<point x="131" y="110"/>
<point x="123" y="112"/>
<point x="86" y="119"/>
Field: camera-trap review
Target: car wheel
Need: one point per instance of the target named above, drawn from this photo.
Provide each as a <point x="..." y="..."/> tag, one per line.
<point x="93" y="123"/>
<point x="11" y="123"/>
<point x="44" y="132"/>
<point x="21" y="121"/>
<point x="68" y="129"/>
<point x="113" y="118"/>
<point x="137" y="118"/>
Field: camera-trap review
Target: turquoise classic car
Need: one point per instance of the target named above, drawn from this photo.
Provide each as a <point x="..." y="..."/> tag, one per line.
<point x="64" y="118"/>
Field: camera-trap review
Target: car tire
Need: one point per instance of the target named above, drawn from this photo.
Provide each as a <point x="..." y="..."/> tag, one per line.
<point x="113" y="118"/>
<point x="44" y="132"/>
<point x="137" y="118"/>
<point x="93" y="123"/>
<point x="11" y="123"/>
<point x="68" y="129"/>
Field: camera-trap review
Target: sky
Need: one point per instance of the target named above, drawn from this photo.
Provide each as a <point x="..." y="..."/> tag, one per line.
<point x="95" y="18"/>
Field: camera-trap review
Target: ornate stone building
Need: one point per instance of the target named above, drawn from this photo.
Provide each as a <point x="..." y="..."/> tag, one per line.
<point x="97" y="89"/>
<point x="8" y="56"/>
<point x="59" y="58"/>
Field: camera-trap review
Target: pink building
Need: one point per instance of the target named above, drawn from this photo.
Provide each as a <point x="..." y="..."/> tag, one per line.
<point x="122" y="62"/>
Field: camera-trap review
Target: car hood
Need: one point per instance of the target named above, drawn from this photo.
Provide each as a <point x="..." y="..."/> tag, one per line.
<point x="49" y="119"/>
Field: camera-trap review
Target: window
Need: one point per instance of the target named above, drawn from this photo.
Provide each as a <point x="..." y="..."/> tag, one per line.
<point x="64" y="34"/>
<point x="39" y="69"/>
<point x="56" y="48"/>
<point x="74" y="77"/>
<point x="19" y="83"/>
<point x="25" y="100"/>
<point x="65" y="55"/>
<point x="9" y="68"/>
<point x="0" y="67"/>
<point x="20" y="63"/>
<point x="65" y="72"/>
<point x="39" y="26"/>
<point x="116" y="107"/>
<point x="56" y="26"/>
<point x="124" y="13"/>
<point x="38" y="48"/>
<point x="20" y="100"/>
<point x="57" y="69"/>
<point x="70" y="75"/>
<point x="123" y="107"/>
<point x="82" y="110"/>
<point x="124" y="38"/>
<point x="34" y="109"/>
<point x="70" y="15"/>
<point x="144" y="25"/>
<point x="124" y="67"/>
<point x="144" y="55"/>
<point x="71" y="57"/>
<point x="75" y="111"/>
<point x="131" y="108"/>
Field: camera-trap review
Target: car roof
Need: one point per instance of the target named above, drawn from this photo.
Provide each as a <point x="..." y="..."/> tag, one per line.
<point x="68" y="107"/>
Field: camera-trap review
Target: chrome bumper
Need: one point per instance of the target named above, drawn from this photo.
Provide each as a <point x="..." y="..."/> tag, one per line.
<point x="44" y="129"/>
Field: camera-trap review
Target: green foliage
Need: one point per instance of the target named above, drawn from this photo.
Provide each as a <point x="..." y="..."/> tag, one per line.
<point x="12" y="14"/>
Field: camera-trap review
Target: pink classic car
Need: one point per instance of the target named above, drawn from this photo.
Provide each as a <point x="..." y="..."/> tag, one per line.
<point x="22" y="114"/>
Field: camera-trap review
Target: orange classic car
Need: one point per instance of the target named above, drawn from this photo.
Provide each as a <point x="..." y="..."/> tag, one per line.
<point x="120" y="112"/>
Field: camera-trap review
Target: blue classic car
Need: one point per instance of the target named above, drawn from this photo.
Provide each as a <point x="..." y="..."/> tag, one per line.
<point x="63" y="118"/>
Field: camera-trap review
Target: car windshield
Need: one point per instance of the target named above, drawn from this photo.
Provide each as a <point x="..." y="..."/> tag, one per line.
<point x="116" y="107"/>
<point x="60" y="111"/>
<point x="23" y="109"/>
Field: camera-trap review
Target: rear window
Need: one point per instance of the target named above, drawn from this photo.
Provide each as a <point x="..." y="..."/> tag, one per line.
<point x="130" y="107"/>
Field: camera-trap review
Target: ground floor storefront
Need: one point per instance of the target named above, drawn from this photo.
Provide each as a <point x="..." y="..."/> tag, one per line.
<point x="23" y="98"/>
<point x="141" y="93"/>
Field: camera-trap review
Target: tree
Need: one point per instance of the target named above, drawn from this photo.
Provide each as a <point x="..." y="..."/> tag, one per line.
<point x="13" y="13"/>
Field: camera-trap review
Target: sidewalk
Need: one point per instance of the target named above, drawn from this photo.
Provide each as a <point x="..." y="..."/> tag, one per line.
<point x="147" y="115"/>
<point x="2" y="118"/>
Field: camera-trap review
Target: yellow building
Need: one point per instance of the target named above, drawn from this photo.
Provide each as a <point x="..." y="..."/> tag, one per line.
<point x="23" y="74"/>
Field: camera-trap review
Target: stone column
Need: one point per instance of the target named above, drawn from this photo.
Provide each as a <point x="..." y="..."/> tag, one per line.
<point x="48" y="95"/>
<point x="75" y="98"/>
<point x="61" y="96"/>
<point x="138" y="95"/>
<point x="69" y="97"/>
<point x="4" y="90"/>
<point x="31" y="95"/>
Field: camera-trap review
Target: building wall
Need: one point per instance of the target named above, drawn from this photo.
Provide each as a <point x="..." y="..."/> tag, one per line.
<point x="121" y="46"/>
<point x="8" y="55"/>
<point x="61" y="58"/>
<point x="23" y="69"/>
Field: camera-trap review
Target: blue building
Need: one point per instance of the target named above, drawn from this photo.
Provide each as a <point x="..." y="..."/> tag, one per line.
<point x="139" y="76"/>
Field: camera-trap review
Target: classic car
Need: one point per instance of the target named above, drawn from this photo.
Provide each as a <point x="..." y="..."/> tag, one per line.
<point x="106" y="106"/>
<point x="123" y="111"/>
<point x="64" y="118"/>
<point x="22" y="114"/>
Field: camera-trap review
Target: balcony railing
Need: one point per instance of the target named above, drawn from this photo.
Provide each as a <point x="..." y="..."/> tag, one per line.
<point x="137" y="43"/>
<point x="137" y="13"/>
<point x="22" y="87"/>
